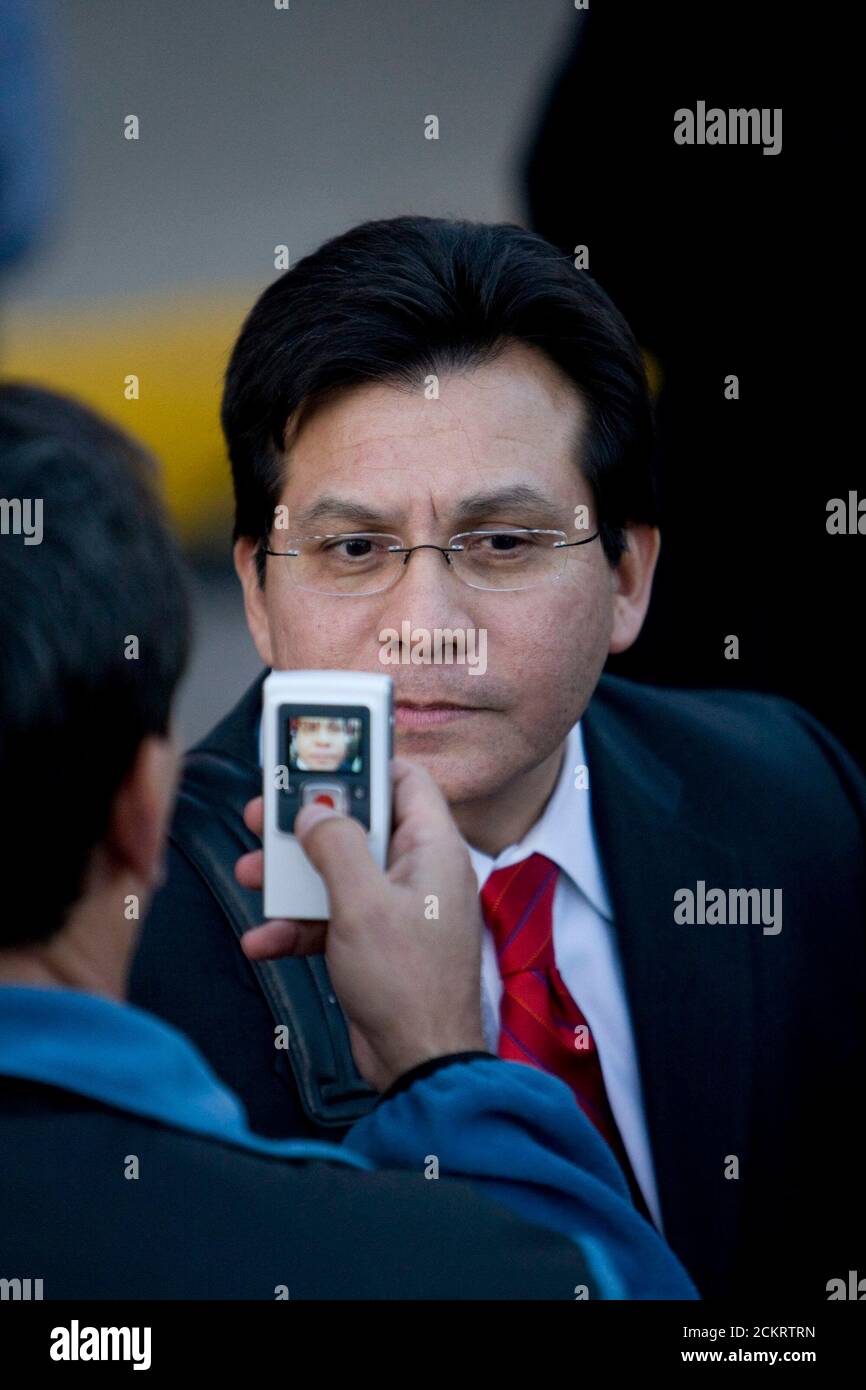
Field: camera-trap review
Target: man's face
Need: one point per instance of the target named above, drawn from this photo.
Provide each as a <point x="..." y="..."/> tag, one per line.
<point x="395" y="462"/>
<point x="321" y="744"/>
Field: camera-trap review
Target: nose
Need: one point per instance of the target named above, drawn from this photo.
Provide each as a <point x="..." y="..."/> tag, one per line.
<point x="428" y="594"/>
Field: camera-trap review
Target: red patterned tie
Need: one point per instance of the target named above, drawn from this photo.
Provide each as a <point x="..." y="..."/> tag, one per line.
<point x="540" y="1024"/>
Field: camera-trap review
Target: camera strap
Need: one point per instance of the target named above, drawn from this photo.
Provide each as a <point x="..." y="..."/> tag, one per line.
<point x="208" y="828"/>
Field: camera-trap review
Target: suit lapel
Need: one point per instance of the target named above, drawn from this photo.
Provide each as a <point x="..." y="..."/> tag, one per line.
<point x="689" y="987"/>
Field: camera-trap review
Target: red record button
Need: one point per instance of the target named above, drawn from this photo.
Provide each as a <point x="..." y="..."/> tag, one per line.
<point x="329" y="794"/>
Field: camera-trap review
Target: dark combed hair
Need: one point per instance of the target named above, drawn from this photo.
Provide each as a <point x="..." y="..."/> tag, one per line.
<point x="398" y="299"/>
<point x="73" y="708"/>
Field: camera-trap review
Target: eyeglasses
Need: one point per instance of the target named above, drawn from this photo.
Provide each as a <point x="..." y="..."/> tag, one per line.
<point x="367" y="562"/>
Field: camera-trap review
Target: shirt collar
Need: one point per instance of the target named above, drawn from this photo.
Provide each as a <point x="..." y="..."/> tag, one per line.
<point x="563" y="832"/>
<point x="129" y="1059"/>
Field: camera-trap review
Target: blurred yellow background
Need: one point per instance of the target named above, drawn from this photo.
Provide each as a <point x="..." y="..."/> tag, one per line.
<point x="177" y="346"/>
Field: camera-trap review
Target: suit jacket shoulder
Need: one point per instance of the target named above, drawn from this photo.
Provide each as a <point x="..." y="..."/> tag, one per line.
<point x="734" y="760"/>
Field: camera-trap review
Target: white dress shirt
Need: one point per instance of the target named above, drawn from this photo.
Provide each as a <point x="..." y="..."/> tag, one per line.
<point x="585" y="949"/>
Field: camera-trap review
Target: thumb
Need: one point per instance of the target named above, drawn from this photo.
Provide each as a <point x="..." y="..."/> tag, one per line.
<point x="336" y="845"/>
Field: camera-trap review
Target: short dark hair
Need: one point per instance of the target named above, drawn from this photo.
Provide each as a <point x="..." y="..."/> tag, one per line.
<point x="73" y="708"/>
<point x="398" y="299"/>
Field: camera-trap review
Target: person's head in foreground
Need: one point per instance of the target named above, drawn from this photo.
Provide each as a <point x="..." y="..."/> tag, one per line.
<point x="93" y="640"/>
<point x="420" y="382"/>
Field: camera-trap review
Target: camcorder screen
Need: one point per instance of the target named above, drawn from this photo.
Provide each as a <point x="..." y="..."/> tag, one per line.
<point x="325" y="743"/>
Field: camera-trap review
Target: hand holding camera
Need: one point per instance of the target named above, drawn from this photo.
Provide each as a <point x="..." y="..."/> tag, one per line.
<point x="403" y="944"/>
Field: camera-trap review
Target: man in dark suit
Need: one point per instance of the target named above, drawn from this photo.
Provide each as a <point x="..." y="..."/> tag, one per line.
<point x="445" y="426"/>
<point x="127" y="1170"/>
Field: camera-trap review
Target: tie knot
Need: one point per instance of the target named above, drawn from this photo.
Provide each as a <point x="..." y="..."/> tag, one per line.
<point x="517" y="904"/>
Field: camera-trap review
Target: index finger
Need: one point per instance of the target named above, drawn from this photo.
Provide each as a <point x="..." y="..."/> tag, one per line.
<point x="254" y="815"/>
<point x="419" y="805"/>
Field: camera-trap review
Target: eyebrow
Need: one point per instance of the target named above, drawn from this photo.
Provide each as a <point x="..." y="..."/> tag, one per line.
<point x="332" y="508"/>
<point x="476" y="507"/>
<point x="518" y="496"/>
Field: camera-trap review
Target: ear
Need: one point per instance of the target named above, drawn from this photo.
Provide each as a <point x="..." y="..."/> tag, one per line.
<point x="138" y="823"/>
<point x="632" y="585"/>
<point x="255" y="606"/>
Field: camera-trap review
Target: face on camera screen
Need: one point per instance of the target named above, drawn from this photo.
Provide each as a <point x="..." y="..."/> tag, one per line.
<point x="325" y="743"/>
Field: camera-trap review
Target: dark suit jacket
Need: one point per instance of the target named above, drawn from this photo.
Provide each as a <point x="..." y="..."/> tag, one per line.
<point x="750" y="1046"/>
<point x="206" y="1219"/>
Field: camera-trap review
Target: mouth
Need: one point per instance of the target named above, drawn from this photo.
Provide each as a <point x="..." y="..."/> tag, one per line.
<point x="413" y="714"/>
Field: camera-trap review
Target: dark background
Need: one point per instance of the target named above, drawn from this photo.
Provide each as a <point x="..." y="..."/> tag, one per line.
<point x="726" y="260"/>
